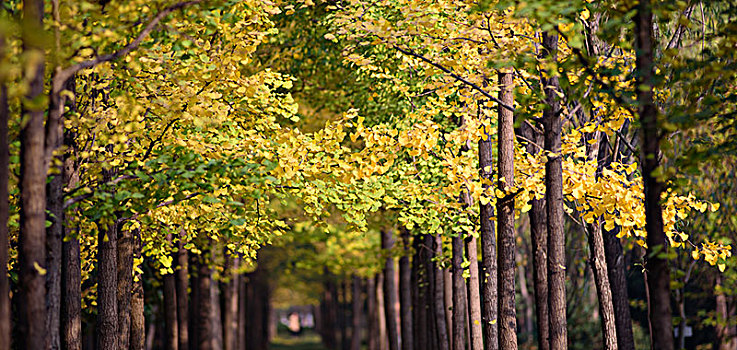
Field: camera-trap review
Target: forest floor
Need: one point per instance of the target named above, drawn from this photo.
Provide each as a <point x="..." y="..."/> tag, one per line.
<point x="306" y="341"/>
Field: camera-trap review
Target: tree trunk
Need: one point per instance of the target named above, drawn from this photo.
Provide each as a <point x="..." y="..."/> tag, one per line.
<point x="215" y="315"/>
<point x="107" y="287"/>
<point x="554" y="198"/>
<point x="170" y="310"/>
<point x="182" y="283"/>
<point x="459" y="294"/>
<point x="31" y="302"/>
<point x="373" y="312"/>
<point x="539" y="239"/>
<point x="342" y="316"/>
<point x="390" y="290"/>
<point x="230" y="291"/>
<point x="357" y="303"/>
<point x="474" y="297"/>
<point x="405" y="290"/>
<point x="603" y="288"/>
<point x="505" y="219"/>
<point x="55" y="215"/>
<point x="726" y="337"/>
<point x="441" y="323"/>
<point x="448" y="297"/>
<point x="488" y="251"/>
<point x="658" y="278"/>
<point x="330" y="315"/>
<point x="620" y="298"/>
<point x="203" y="321"/>
<point x="138" y="322"/>
<point x="383" y="338"/>
<point x="194" y="300"/>
<point x="420" y="285"/>
<point x="5" y="326"/>
<point x="243" y="313"/>
<point x="125" y="285"/>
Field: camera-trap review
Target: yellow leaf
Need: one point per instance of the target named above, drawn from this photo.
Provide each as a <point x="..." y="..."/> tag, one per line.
<point x="721" y="267"/>
<point x="41" y="270"/>
<point x="695" y="254"/>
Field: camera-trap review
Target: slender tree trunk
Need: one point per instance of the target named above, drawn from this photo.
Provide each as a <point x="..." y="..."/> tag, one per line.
<point x="658" y="278"/>
<point x="620" y="298"/>
<point x="448" y="297"/>
<point x="373" y="312"/>
<point x="138" y="322"/>
<point x="488" y="252"/>
<point x="230" y="291"/>
<point x="342" y="317"/>
<point x="505" y="219"/>
<point x="171" y="329"/>
<point x="420" y="285"/>
<point x="429" y="300"/>
<point x="204" y="325"/>
<point x="243" y="313"/>
<point x="357" y="304"/>
<point x="383" y="337"/>
<point x="125" y="285"/>
<point x="405" y="290"/>
<point x="216" y="316"/>
<point x="726" y="338"/>
<point x="390" y="291"/>
<point x="55" y="215"/>
<point x="107" y="287"/>
<point x="194" y="300"/>
<point x="5" y="326"/>
<point x="474" y="295"/>
<point x="182" y="283"/>
<point x="31" y="302"/>
<point x="330" y="316"/>
<point x="459" y="294"/>
<point x="539" y="239"/>
<point x="554" y="198"/>
<point x="603" y="288"/>
<point x="441" y="323"/>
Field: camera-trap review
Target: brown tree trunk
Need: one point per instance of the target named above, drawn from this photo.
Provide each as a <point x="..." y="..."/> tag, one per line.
<point x="342" y="317"/>
<point x="171" y="327"/>
<point x="125" y="285"/>
<point x="243" y="313"/>
<point x="405" y="293"/>
<point x="488" y="252"/>
<point x="658" y="275"/>
<point x="107" y="287"/>
<point x="620" y="298"/>
<point x="448" y="297"/>
<point x="539" y="240"/>
<point x="55" y="215"/>
<point x="330" y="315"/>
<point x="459" y="294"/>
<point x="5" y="326"/>
<point x="31" y="301"/>
<point x="182" y="283"/>
<point x="390" y="290"/>
<point x="505" y="219"/>
<point x="554" y="199"/>
<point x="194" y="301"/>
<point x="138" y="322"/>
<point x="474" y="295"/>
<point x="420" y="285"/>
<point x="373" y="313"/>
<point x="203" y="321"/>
<point x="383" y="338"/>
<point x="216" y="316"/>
<point x="441" y="324"/>
<point x="603" y="288"/>
<point x="357" y="304"/>
<point x="230" y="292"/>
<point x="726" y="337"/>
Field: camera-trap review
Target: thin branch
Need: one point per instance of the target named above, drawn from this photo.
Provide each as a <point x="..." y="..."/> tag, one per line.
<point x="455" y="76"/>
<point x="68" y="72"/>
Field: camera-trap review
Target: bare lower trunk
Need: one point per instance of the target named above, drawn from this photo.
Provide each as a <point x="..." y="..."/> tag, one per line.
<point x="448" y="297"/>
<point x="439" y="302"/>
<point x="5" y="325"/>
<point x="125" y="285"/>
<point x="55" y="215"/>
<point x="373" y="312"/>
<point x="357" y="305"/>
<point x="603" y="288"/>
<point x="171" y="332"/>
<point x="726" y="336"/>
<point x="31" y="301"/>
<point x="182" y="283"/>
<point x="419" y="283"/>
<point x="230" y="293"/>
<point x="459" y="295"/>
<point x="138" y="322"/>
<point x="488" y="252"/>
<point x="554" y="200"/>
<point x="390" y="291"/>
<point x="474" y="295"/>
<point x="505" y="219"/>
<point x="204" y="307"/>
<point x="620" y="298"/>
<point x="107" y="287"/>
<point x="405" y="293"/>
<point x="243" y="313"/>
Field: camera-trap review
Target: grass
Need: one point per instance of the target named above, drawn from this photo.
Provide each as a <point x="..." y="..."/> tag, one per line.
<point x="306" y="341"/>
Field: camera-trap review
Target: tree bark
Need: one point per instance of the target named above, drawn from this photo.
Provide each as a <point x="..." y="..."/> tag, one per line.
<point x="554" y="197"/>
<point x="373" y="312"/>
<point x="107" y="287"/>
<point x="459" y="294"/>
<point x="539" y="239"/>
<point x="405" y="290"/>
<point x="474" y="295"/>
<point x="726" y="338"/>
<point x="138" y="321"/>
<point x="441" y="324"/>
<point x="357" y="304"/>
<point x="5" y="326"/>
<point x="230" y="317"/>
<point x="448" y="297"/>
<point x="420" y="285"/>
<point x="505" y="219"/>
<point x="125" y="285"/>
<point x="342" y="317"/>
<point x="603" y="288"/>
<point x="55" y="215"/>
<point x="31" y="302"/>
<point x="182" y="283"/>
<point x="658" y="278"/>
<point x="216" y="315"/>
<point x="488" y="251"/>
<point x="204" y="305"/>
<point x="171" y="330"/>
<point x="390" y="290"/>
<point x="620" y="298"/>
